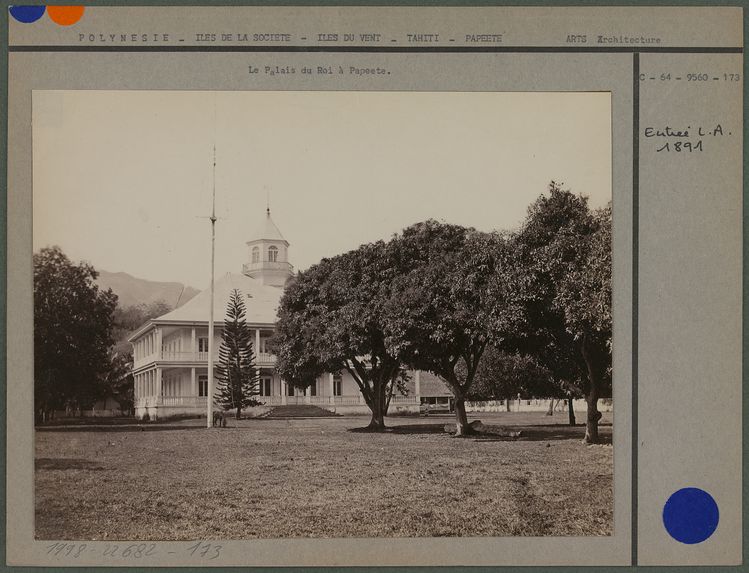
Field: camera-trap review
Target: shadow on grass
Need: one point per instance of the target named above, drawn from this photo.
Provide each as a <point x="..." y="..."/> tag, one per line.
<point x="67" y="464"/>
<point x="550" y="434"/>
<point x="404" y="429"/>
<point x="539" y="433"/>
<point x="543" y="433"/>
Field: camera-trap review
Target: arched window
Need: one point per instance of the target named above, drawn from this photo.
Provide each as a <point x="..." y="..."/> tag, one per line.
<point x="255" y="254"/>
<point x="272" y="254"/>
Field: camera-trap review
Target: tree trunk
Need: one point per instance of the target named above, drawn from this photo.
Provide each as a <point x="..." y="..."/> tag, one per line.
<point x="239" y="413"/>
<point x="507" y="402"/>
<point x="571" y="411"/>
<point x="377" y="423"/>
<point x="461" y="419"/>
<point x="377" y="405"/>
<point x="550" y="411"/>
<point x="591" y="422"/>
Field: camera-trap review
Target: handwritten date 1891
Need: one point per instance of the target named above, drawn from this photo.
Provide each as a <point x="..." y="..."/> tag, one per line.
<point x="681" y="146"/>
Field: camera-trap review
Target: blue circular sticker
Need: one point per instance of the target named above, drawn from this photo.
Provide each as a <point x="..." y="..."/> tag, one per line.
<point x="26" y="14"/>
<point x="690" y="515"/>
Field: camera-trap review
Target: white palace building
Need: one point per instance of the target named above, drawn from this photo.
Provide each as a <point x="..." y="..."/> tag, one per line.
<point x="170" y="353"/>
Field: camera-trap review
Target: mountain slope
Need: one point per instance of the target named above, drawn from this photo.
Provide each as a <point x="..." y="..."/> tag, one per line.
<point x="133" y="291"/>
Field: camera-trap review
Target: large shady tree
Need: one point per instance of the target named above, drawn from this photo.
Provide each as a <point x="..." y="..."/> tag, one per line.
<point x="73" y="321"/>
<point x="564" y="253"/>
<point x="584" y="296"/>
<point x="454" y="301"/>
<point x="331" y="319"/>
<point x="543" y="335"/>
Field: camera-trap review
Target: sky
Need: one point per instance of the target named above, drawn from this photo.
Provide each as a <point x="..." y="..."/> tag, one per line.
<point x="124" y="179"/>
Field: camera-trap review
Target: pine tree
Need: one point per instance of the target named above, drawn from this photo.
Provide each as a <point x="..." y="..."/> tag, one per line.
<point x="238" y="379"/>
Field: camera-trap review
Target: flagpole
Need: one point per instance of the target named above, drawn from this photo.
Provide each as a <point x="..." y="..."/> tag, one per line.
<point x="209" y="398"/>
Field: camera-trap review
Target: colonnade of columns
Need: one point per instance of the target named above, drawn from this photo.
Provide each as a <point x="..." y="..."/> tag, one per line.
<point x="148" y="345"/>
<point x="148" y="383"/>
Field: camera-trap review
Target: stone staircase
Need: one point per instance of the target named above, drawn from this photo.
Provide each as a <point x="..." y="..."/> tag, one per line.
<point x="300" y="411"/>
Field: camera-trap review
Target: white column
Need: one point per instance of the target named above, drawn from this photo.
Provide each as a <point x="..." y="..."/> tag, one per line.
<point x="158" y="344"/>
<point x="193" y="390"/>
<point x="158" y="381"/>
<point x="257" y="344"/>
<point x="331" y="392"/>
<point x="194" y="350"/>
<point x="284" y="391"/>
<point x="417" y="386"/>
<point x="307" y="394"/>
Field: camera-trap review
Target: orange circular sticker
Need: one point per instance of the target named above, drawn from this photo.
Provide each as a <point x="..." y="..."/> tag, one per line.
<point x="65" y="15"/>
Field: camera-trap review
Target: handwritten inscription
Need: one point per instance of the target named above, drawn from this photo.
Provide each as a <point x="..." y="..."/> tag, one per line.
<point x="133" y="551"/>
<point x="683" y="139"/>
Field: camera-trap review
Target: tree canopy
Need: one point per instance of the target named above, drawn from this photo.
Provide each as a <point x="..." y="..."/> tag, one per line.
<point x="454" y="299"/>
<point x="330" y="320"/>
<point x="564" y="252"/>
<point x="73" y="322"/>
<point x="441" y="297"/>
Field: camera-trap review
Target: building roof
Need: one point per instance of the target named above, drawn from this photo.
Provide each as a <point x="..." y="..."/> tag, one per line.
<point x="267" y="230"/>
<point x="261" y="303"/>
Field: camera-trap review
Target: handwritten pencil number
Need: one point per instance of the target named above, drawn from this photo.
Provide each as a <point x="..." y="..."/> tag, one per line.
<point x="207" y="550"/>
<point x="66" y="549"/>
<point x="680" y="146"/>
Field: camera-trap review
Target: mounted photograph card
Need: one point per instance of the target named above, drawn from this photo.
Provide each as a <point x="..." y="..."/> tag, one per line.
<point x="374" y="286"/>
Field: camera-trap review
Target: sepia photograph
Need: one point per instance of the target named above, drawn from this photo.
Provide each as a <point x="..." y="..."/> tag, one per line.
<point x="322" y="314"/>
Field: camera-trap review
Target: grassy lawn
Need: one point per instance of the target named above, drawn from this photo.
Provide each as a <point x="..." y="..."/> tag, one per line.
<point x="317" y="478"/>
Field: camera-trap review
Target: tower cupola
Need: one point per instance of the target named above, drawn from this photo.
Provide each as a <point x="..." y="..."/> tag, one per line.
<point x="268" y="255"/>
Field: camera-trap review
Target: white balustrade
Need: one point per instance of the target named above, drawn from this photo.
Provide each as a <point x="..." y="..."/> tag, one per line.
<point x="262" y="358"/>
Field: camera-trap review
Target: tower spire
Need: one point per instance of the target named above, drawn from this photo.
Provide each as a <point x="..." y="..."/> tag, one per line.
<point x="267" y="202"/>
